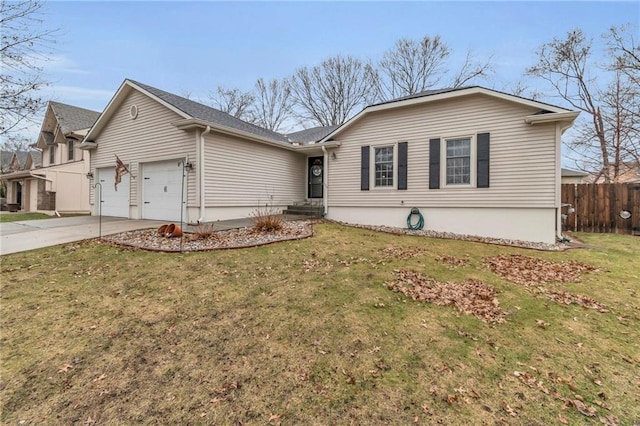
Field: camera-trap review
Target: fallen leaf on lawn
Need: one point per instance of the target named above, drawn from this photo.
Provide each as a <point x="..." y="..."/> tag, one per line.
<point x="472" y="297"/>
<point x="65" y="368"/>
<point x="541" y="323"/>
<point x="583" y="409"/>
<point x="563" y="419"/>
<point x="530" y="270"/>
<point x="101" y="377"/>
<point x="510" y="410"/>
<point x="610" y="420"/>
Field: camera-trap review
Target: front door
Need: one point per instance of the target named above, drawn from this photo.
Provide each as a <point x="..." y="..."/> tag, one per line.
<point x="315" y="171"/>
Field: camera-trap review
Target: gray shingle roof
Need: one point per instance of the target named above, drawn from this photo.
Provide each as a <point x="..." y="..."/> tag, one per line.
<point x="422" y="94"/>
<point x="311" y="135"/>
<point x="209" y="114"/>
<point x="72" y="118"/>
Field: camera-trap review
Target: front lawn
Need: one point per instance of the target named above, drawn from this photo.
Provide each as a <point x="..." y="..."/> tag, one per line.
<point x="309" y="332"/>
<point x="16" y="217"/>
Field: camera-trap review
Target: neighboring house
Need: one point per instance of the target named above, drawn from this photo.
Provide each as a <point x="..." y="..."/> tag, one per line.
<point x="16" y="168"/>
<point x="573" y="176"/>
<point x="60" y="184"/>
<point x="629" y="173"/>
<point x="473" y="160"/>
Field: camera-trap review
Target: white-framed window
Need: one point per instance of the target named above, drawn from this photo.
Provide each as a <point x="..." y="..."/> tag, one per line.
<point x="458" y="160"/>
<point x="70" y="146"/>
<point x="52" y="154"/>
<point x="383" y="167"/>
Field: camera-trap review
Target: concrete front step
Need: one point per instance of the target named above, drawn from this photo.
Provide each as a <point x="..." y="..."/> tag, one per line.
<point x="306" y="210"/>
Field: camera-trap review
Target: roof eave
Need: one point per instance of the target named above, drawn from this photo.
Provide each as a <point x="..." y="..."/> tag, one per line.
<point x="554" y="117"/>
<point x="316" y="146"/>
<point x="196" y="123"/>
<point x="88" y="145"/>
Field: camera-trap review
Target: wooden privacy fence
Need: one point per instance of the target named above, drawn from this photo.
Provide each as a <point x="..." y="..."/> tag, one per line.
<point x="602" y="207"/>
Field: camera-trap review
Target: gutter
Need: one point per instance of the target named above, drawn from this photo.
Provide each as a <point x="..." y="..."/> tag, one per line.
<point x="201" y="172"/>
<point x="551" y="118"/>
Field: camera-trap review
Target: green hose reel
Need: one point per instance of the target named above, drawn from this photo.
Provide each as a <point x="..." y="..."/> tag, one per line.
<point x="419" y="224"/>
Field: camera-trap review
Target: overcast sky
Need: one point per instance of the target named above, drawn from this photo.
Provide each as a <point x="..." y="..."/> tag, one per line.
<point x="196" y="46"/>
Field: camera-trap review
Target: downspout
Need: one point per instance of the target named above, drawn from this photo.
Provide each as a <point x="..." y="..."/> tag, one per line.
<point x="201" y="173"/>
<point x="325" y="176"/>
<point x="560" y="129"/>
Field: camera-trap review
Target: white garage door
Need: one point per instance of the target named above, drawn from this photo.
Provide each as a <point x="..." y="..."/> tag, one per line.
<point x="115" y="202"/>
<point x="162" y="190"/>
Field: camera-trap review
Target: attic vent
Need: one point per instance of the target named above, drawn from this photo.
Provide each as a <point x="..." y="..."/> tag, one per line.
<point x="133" y="112"/>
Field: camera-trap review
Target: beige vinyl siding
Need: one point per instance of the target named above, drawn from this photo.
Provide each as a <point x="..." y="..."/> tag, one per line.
<point x="522" y="159"/>
<point x="245" y="173"/>
<point x="150" y="137"/>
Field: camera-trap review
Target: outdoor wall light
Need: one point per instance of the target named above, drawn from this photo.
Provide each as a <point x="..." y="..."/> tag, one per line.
<point x="333" y="156"/>
<point x="89" y="175"/>
<point x="188" y="165"/>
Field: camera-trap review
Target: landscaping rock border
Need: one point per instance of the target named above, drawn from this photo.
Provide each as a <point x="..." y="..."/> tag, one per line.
<point x="148" y="239"/>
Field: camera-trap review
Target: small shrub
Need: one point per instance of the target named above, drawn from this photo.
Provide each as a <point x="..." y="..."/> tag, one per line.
<point x="203" y="231"/>
<point x="267" y="220"/>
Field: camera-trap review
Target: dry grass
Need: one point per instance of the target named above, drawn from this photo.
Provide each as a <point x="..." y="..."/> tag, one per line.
<point x="202" y="231"/>
<point x="305" y="332"/>
<point x="267" y="220"/>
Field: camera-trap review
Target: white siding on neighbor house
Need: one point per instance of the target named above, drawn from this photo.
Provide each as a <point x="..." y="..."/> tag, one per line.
<point x="147" y="138"/>
<point x="240" y="173"/>
<point x="70" y="184"/>
<point x="522" y="157"/>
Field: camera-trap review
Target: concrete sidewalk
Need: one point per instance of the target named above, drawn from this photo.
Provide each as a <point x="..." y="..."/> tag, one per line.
<point x="33" y="234"/>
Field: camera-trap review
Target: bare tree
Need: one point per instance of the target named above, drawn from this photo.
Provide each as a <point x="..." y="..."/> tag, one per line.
<point x="608" y="137"/>
<point x="330" y="93"/>
<point x="626" y="51"/>
<point x="15" y="142"/>
<point x="413" y="66"/>
<point x="471" y="69"/>
<point x="233" y="101"/>
<point x="273" y="104"/>
<point x="24" y="46"/>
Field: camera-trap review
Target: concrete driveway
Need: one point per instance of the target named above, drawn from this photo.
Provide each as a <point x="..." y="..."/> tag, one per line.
<point x="33" y="234"/>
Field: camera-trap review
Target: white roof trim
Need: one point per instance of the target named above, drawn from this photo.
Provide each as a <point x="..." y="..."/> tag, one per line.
<point x="116" y="101"/>
<point x="449" y="95"/>
<point x="551" y="117"/>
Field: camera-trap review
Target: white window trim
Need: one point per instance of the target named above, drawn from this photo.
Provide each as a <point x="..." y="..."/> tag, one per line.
<point x="472" y="168"/>
<point x="372" y="167"/>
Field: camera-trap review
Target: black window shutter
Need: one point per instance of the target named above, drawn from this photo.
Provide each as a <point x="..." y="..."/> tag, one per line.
<point x="483" y="161"/>
<point x="402" y="165"/>
<point x="364" y="169"/>
<point x="434" y="163"/>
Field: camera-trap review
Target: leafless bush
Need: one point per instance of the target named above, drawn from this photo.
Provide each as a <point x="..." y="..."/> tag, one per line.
<point x="267" y="219"/>
<point x="203" y="231"/>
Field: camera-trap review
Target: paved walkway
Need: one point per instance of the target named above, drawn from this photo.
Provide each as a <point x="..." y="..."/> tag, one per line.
<point x="34" y="234"/>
